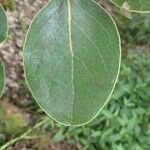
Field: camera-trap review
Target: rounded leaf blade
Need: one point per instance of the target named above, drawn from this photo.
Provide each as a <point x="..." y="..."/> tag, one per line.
<point x="72" y="59"/>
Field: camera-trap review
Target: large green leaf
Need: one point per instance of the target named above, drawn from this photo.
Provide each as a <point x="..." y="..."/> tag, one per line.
<point x="3" y="24"/>
<point x="71" y="59"/>
<point x="134" y="5"/>
<point x="3" y="35"/>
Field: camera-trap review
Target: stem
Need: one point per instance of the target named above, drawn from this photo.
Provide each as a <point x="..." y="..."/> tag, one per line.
<point x="23" y="136"/>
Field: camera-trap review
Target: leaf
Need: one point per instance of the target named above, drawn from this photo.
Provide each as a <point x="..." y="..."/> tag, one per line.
<point x="3" y="35"/>
<point x="3" y="24"/>
<point x="2" y="77"/>
<point x="71" y="59"/>
<point x="142" y="6"/>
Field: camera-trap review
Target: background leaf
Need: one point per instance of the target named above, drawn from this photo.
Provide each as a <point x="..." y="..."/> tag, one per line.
<point x="3" y="35"/>
<point x="71" y="59"/>
<point x="3" y="24"/>
<point x="1" y="77"/>
<point x="134" y="5"/>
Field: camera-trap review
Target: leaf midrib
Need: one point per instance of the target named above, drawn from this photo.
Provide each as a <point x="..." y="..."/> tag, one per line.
<point x="71" y="50"/>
